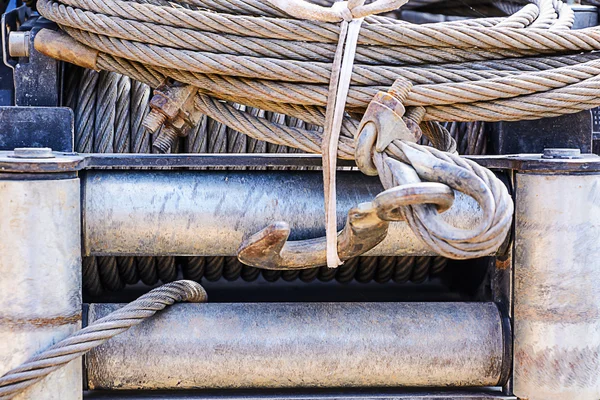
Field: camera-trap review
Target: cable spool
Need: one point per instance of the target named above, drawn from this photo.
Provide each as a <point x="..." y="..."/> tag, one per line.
<point x="210" y="136"/>
<point x="125" y="104"/>
<point x="99" y="277"/>
<point x="114" y="273"/>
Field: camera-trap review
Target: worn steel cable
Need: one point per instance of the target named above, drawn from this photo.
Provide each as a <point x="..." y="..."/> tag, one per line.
<point x="361" y="269"/>
<point x="122" y="144"/>
<point x="419" y="38"/>
<point x="85" y="112"/>
<point x="36" y="368"/>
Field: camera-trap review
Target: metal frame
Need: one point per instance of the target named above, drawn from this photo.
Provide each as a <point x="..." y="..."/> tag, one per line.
<point x="70" y="165"/>
<point x="75" y="162"/>
<point x="381" y="394"/>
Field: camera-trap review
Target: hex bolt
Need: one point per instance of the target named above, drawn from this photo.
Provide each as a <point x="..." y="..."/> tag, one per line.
<point x="30" y="152"/>
<point x="154" y="120"/>
<point x="166" y="139"/>
<point x="561" y="154"/>
<point x="400" y="89"/>
<point x="18" y="44"/>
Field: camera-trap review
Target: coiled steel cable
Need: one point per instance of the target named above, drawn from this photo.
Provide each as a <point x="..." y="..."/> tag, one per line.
<point x="361" y="269"/>
<point x="72" y="77"/>
<point x="115" y="27"/>
<point x="36" y="368"/>
<point x="106" y="111"/>
<point x="140" y="99"/>
<point x="85" y="112"/>
<point x="107" y="92"/>
<point x="122" y="144"/>
<point x="91" y="277"/>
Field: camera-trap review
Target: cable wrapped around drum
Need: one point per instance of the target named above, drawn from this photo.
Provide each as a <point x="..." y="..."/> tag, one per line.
<point x="527" y="66"/>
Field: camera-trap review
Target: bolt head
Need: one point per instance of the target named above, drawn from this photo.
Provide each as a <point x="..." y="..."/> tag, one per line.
<point x="18" y="44"/>
<point x="30" y="152"/>
<point x="561" y="154"/>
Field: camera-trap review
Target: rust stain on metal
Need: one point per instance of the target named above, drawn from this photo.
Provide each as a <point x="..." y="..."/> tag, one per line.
<point x="503" y="264"/>
<point x="40" y="322"/>
<point x="62" y="47"/>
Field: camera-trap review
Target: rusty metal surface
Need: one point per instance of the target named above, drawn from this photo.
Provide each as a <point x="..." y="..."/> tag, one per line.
<point x="556" y="288"/>
<point x="40" y="288"/>
<point x="57" y="45"/>
<point x="303" y="345"/>
<point x="172" y="109"/>
<point x="210" y="213"/>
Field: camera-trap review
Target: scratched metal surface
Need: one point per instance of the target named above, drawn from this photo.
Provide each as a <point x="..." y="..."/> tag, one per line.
<point x="303" y="345"/>
<point x="40" y="284"/>
<point x="210" y="213"/>
<point x="557" y="287"/>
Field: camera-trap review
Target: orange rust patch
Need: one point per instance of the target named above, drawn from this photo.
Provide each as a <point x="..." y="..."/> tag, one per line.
<point x="40" y="322"/>
<point x="503" y="264"/>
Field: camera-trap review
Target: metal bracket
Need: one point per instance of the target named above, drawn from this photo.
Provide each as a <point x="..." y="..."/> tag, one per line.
<point x="535" y="136"/>
<point x="37" y="127"/>
<point x="37" y="80"/>
<point x="11" y="21"/>
<point x="74" y="162"/>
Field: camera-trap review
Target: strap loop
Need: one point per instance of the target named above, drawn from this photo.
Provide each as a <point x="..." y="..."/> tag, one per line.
<point x="340" y="11"/>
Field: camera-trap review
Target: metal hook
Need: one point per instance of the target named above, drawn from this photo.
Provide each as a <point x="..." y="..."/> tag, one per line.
<point x="366" y="226"/>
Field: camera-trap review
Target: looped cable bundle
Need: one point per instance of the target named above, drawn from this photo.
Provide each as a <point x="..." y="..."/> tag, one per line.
<point x="280" y="56"/>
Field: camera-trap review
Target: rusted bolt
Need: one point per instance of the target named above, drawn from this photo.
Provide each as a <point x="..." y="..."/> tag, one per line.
<point x="562" y="154"/>
<point x="18" y="44"/>
<point x="30" y="152"/>
<point x="154" y="120"/>
<point x="166" y="139"/>
<point x="400" y="89"/>
<point x="173" y="109"/>
<point x="384" y="122"/>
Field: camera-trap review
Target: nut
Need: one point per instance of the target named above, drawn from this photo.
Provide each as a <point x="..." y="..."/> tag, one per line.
<point x="30" y="152"/>
<point x="562" y="154"/>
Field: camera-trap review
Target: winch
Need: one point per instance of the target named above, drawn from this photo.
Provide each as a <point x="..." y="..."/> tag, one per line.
<point x="299" y="199"/>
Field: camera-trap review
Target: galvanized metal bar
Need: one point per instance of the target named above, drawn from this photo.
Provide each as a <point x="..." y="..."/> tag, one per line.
<point x="380" y="394"/>
<point x="40" y="284"/>
<point x="557" y="287"/>
<point x="303" y="345"/>
<point x="210" y="213"/>
<point x="70" y="162"/>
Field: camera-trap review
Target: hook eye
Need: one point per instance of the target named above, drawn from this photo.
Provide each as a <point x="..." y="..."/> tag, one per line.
<point x="389" y="203"/>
